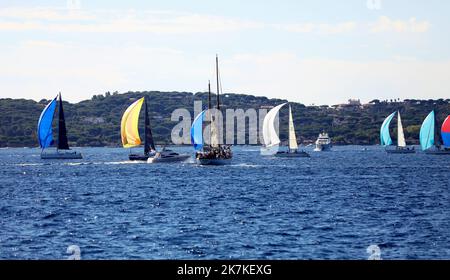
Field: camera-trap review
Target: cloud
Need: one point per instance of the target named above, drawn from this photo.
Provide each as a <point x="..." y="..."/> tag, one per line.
<point x="173" y="22"/>
<point x="319" y="28"/>
<point x="331" y="81"/>
<point x="296" y="27"/>
<point x="44" y="13"/>
<point x="338" y="28"/>
<point x="385" y="24"/>
<point x="37" y="69"/>
<point x="110" y="21"/>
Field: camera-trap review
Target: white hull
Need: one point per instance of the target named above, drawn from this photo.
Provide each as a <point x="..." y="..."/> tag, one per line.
<point x="322" y="148"/>
<point x="62" y="155"/>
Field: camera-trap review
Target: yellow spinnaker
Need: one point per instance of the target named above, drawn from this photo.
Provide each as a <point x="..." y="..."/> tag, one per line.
<point x="129" y="125"/>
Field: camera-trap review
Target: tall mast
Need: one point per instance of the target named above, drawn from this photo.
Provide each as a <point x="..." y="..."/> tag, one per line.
<point x="437" y="134"/>
<point x="217" y="77"/>
<point x="218" y="91"/>
<point x="209" y="94"/>
<point x="63" y="143"/>
<point x="209" y="110"/>
<point x="149" y="143"/>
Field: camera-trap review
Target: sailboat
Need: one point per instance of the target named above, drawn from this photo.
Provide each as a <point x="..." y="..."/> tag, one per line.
<point x="386" y="140"/>
<point x="431" y="141"/>
<point x="45" y="133"/>
<point x="130" y="136"/>
<point x="214" y="153"/>
<point x="271" y="139"/>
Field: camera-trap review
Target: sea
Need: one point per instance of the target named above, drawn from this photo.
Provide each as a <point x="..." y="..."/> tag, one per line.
<point x="353" y="202"/>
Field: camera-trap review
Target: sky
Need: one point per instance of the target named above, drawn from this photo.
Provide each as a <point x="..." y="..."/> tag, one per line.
<point x="314" y="52"/>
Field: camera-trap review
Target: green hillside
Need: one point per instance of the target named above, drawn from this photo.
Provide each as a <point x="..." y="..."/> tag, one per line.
<point x="96" y="122"/>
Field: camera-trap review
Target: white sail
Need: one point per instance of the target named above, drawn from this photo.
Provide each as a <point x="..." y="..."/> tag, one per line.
<point x="292" y="139"/>
<point x="400" y="135"/>
<point x="214" y="128"/>
<point x="269" y="132"/>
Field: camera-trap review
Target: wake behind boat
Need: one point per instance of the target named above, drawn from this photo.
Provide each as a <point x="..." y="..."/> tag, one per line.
<point x="45" y="133"/>
<point x="272" y="141"/>
<point x="431" y="141"/>
<point x="385" y="137"/>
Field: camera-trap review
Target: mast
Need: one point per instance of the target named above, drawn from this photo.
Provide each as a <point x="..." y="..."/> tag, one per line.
<point x="218" y="86"/>
<point x="149" y="145"/>
<point x="209" y="110"/>
<point x="437" y="136"/>
<point x="63" y="143"/>
<point x="401" y="142"/>
<point x="292" y="138"/>
<point x="209" y="94"/>
<point x="218" y="91"/>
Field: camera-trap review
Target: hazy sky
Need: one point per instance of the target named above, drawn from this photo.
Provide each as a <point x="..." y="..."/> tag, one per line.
<point x="321" y="52"/>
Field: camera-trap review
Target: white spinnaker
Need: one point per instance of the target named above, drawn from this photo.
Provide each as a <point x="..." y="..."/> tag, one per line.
<point x="292" y="138"/>
<point x="214" y="127"/>
<point x="269" y="132"/>
<point x="400" y="135"/>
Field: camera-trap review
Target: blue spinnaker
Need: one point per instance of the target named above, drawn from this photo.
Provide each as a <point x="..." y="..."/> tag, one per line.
<point x="44" y="131"/>
<point x="197" y="131"/>
<point x="385" y="137"/>
<point x="427" y="132"/>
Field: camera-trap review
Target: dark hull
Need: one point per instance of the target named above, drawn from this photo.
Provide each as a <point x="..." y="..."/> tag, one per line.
<point x="168" y="158"/>
<point x="62" y="155"/>
<point x="401" y="151"/>
<point x="437" y="152"/>
<point x="214" y="161"/>
<point x="292" y="154"/>
<point x="134" y="157"/>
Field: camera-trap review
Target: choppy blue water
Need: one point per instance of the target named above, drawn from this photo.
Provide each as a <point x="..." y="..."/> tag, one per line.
<point x="330" y="206"/>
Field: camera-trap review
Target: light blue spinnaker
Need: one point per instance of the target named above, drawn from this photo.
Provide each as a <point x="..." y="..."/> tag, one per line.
<point x="427" y="132"/>
<point x="385" y="137"/>
<point x="197" y="131"/>
<point x="44" y="131"/>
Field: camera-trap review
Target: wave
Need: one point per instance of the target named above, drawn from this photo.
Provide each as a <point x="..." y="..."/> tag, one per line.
<point x="247" y="165"/>
<point x="77" y="163"/>
<point x="121" y="162"/>
<point x="31" y="164"/>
